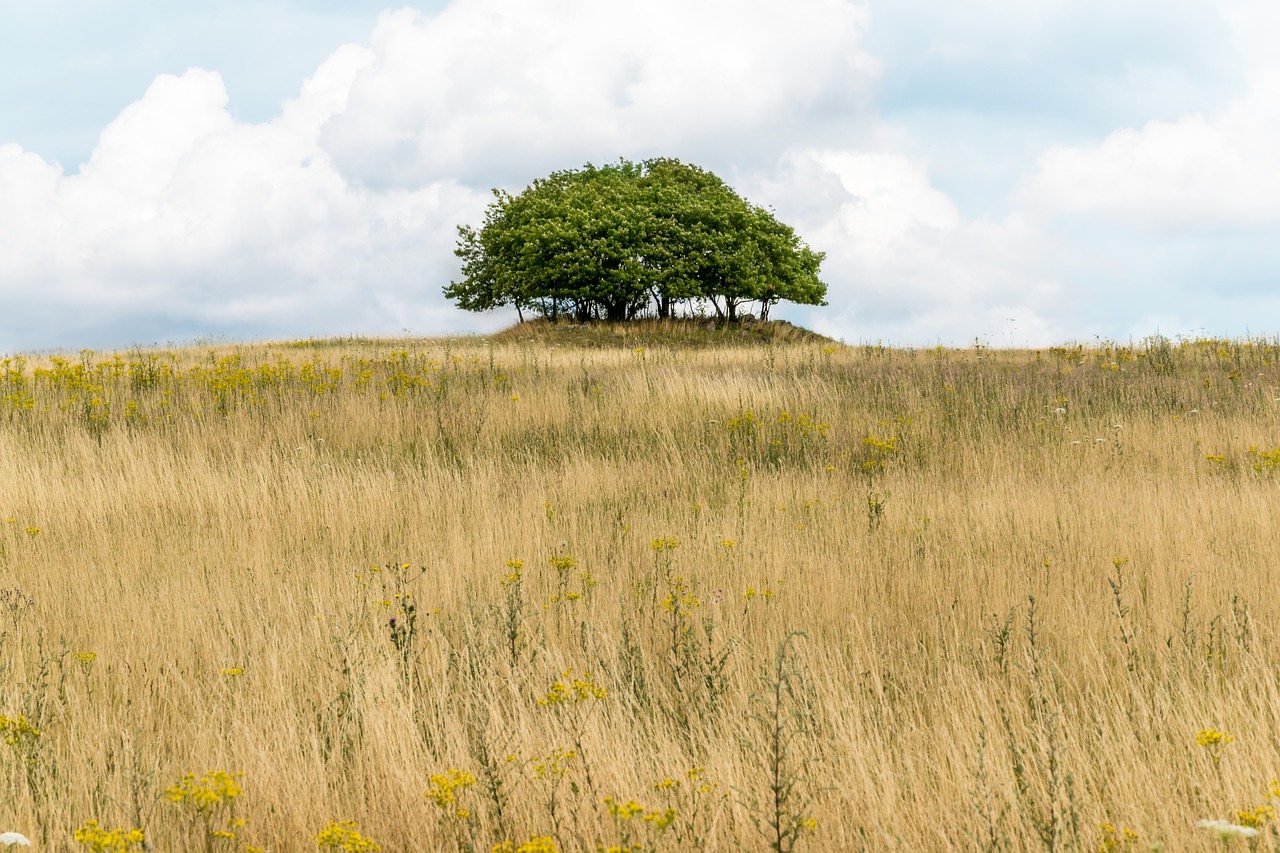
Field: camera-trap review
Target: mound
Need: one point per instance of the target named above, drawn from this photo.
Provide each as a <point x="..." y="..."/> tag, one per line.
<point x="684" y="333"/>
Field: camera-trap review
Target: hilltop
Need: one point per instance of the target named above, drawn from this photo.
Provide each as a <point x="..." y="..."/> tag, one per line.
<point x="685" y="333"/>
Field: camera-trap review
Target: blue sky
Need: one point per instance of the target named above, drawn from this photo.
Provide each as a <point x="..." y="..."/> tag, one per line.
<point x="1018" y="173"/>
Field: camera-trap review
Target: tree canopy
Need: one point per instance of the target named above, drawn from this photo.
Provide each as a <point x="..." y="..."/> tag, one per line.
<point x="632" y="240"/>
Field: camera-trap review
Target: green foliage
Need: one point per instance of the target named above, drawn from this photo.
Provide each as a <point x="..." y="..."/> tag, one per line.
<point x="630" y="240"/>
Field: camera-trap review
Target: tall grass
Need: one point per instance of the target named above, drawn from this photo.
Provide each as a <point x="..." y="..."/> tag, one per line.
<point x="780" y="596"/>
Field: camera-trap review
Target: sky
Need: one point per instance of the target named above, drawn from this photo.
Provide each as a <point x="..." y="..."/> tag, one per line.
<point x="1015" y="173"/>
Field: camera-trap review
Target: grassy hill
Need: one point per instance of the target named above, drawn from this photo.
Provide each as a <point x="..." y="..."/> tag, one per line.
<point x="668" y="334"/>
<point x="623" y="587"/>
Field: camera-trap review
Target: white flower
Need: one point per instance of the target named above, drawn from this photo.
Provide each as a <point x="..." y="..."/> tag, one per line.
<point x="8" y="839"/>
<point x="1226" y="829"/>
<point x="1059" y="411"/>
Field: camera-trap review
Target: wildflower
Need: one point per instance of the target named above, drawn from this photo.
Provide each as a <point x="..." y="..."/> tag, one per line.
<point x="344" y="837"/>
<point x="555" y="764"/>
<point x="11" y="839"/>
<point x="206" y="794"/>
<point x="661" y="820"/>
<point x="1213" y="740"/>
<point x="1256" y="817"/>
<point x="570" y="692"/>
<point x="101" y="840"/>
<point x="537" y="844"/>
<point x="698" y="782"/>
<point x="1226" y="830"/>
<point x="233" y="671"/>
<point x="15" y="729"/>
<point x="1116" y="838"/>
<point x="516" y="574"/>
<point x="623" y="811"/>
<point x="680" y="598"/>
<point x="562" y="565"/>
<point x="445" y="788"/>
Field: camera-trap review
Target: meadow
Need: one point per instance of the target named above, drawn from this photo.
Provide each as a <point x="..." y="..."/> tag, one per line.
<point x="623" y="590"/>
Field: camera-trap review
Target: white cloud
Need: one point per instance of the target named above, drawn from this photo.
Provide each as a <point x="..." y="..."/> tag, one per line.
<point x="519" y="89"/>
<point x="904" y="266"/>
<point x="1210" y="172"/>
<point x="187" y="219"/>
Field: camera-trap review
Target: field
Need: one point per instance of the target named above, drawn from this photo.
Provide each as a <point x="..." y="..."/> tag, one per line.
<point x="582" y="590"/>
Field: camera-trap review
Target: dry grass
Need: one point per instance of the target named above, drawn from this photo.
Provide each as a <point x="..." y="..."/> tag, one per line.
<point x="1016" y="621"/>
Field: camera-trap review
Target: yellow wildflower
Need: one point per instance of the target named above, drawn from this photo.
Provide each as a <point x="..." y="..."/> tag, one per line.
<point x="345" y="837"/>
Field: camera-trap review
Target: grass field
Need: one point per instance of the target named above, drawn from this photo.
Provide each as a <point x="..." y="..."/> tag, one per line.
<point x="586" y="589"/>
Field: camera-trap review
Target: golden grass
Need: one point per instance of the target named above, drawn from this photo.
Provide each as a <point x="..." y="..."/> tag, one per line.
<point x="1016" y="621"/>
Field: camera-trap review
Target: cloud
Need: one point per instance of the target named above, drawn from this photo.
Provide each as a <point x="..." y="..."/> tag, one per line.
<point x="187" y="220"/>
<point x="904" y="266"/>
<point x="1199" y="172"/>
<point x="516" y="90"/>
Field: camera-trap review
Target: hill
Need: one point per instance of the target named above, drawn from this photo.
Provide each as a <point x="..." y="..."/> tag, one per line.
<point x="671" y="333"/>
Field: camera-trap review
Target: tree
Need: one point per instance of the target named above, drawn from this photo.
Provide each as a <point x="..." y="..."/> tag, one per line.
<point x="629" y="240"/>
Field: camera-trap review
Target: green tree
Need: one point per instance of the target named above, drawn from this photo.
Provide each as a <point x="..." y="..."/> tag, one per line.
<point x="629" y="240"/>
